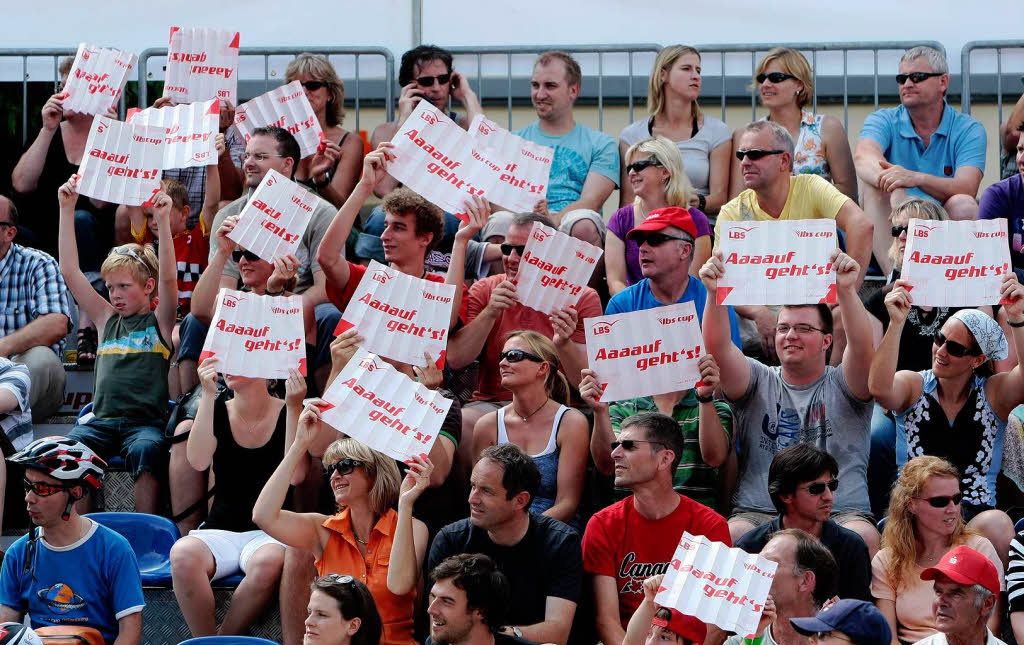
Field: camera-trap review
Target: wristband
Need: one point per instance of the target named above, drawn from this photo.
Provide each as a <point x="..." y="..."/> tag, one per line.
<point x="702" y="202"/>
<point x="753" y="641"/>
<point x="1016" y="325"/>
<point x="704" y="399"/>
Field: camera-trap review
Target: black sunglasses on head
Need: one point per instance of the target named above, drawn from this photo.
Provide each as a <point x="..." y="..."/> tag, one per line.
<point x="654" y="238"/>
<point x="942" y="501"/>
<point x="640" y="166"/>
<point x="774" y="77"/>
<point x="238" y="254"/>
<point x="917" y="77"/>
<point x="506" y="249"/>
<point x="428" y="81"/>
<point x="899" y="230"/>
<point x="343" y="467"/>
<point x="817" y="488"/>
<point x="954" y="348"/>
<point x="756" y="153"/>
<point x="516" y="355"/>
<point x="313" y="86"/>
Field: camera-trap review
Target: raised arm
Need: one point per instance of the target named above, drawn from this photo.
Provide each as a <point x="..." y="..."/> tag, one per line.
<point x="712" y="437"/>
<point x="1008" y="387"/>
<point x="167" y="272"/>
<point x="859" y="235"/>
<point x="478" y="211"/>
<point x="410" y="541"/>
<point x="572" y="355"/>
<point x="892" y="390"/>
<point x="640" y="621"/>
<point x="466" y="343"/>
<point x="211" y="196"/>
<point x="204" y="296"/>
<point x="839" y="157"/>
<point x="603" y="435"/>
<point x="733" y="367"/>
<point x="857" y="357"/>
<point x="91" y="302"/>
<point x="25" y="176"/>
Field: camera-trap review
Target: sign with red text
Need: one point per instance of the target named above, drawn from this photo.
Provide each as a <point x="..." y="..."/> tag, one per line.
<point x="554" y="269"/>
<point x="202" y="64"/>
<point x="956" y="264"/>
<point x="273" y="221"/>
<point x="523" y="180"/>
<point x="97" y="78"/>
<point x="777" y="263"/>
<point x="658" y="348"/>
<point x="400" y="316"/>
<point x="122" y="163"/>
<point x="256" y="336"/>
<point x="373" y="402"/>
<point x="286" y="107"/>
<point x="190" y="132"/>
<point x="717" y="584"/>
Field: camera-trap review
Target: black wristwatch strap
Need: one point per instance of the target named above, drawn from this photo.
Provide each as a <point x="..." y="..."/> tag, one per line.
<point x="704" y="399"/>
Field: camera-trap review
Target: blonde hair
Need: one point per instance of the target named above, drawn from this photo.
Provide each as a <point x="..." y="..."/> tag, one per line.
<point x="139" y="261"/>
<point x="792" y="62"/>
<point x="556" y="385"/>
<point x="321" y="69"/>
<point x="914" y="207"/>
<point x="899" y="533"/>
<point x="678" y="189"/>
<point x="665" y="59"/>
<point x="379" y="468"/>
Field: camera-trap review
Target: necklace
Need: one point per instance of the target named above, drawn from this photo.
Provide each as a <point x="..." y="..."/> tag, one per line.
<point x="242" y="418"/>
<point x="527" y="417"/>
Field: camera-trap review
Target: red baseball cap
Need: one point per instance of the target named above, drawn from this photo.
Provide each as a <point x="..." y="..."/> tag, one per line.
<point x="660" y="218"/>
<point x="688" y="627"/>
<point x="965" y="566"/>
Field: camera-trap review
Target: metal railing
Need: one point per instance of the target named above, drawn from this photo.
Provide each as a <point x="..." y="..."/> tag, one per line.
<point x="998" y="46"/>
<point x="352" y="86"/>
<point x="56" y="53"/>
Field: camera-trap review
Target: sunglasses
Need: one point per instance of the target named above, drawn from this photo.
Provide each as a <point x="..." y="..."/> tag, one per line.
<point x="899" y="230"/>
<point x="942" y="501"/>
<point x="338" y="579"/>
<point x="640" y="166"/>
<point x="41" y="489"/>
<point x="917" y="77"/>
<point x="506" y="249"/>
<point x="756" y="153"/>
<point x="238" y="254"/>
<point x="630" y="444"/>
<point x="774" y="77"/>
<point x="954" y="348"/>
<point x="313" y="86"/>
<point x="428" y="81"/>
<point x="343" y="467"/>
<point x="516" y="355"/>
<point x="817" y="488"/>
<point x="655" y="239"/>
<point x="8" y="224"/>
<point x="127" y="251"/>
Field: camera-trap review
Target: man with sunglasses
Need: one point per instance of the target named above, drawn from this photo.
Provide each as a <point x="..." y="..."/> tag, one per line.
<point x="802" y="481"/>
<point x="966" y="593"/>
<point x="922" y="148"/>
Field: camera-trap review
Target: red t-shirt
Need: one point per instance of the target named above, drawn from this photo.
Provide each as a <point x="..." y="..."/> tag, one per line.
<point x="340" y="297"/>
<point x="513" y="319"/>
<point x="624" y="545"/>
<point x="191" y="255"/>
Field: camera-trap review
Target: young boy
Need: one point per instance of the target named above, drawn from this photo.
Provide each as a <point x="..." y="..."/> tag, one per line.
<point x="130" y="401"/>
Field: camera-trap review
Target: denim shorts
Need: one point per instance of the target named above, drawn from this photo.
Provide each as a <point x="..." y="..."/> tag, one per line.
<point x="142" y="446"/>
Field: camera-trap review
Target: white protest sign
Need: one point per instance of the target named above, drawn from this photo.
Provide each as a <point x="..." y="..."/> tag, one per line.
<point x="523" y="181"/>
<point x="658" y="348"/>
<point x="190" y="132"/>
<point x="777" y="263"/>
<point x="122" y="162"/>
<point x="96" y="79"/>
<point x="256" y="336"/>
<point x="716" y="584"/>
<point x="400" y="316"/>
<point x="202" y="64"/>
<point x="554" y="269"/>
<point x="373" y="402"/>
<point x="956" y="264"/>
<point x="286" y="107"/>
<point x="273" y="221"/>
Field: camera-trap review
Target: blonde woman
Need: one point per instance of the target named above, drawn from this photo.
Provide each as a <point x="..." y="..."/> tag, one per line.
<point x="334" y="170"/>
<point x="785" y="83"/>
<point x="655" y="171"/>
<point x="924" y="523"/>
<point x="673" y="113"/>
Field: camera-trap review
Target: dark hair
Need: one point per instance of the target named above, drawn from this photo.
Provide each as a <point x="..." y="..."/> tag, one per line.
<point x="354" y="601"/>
<point x="521" y="472"/>
<point x="659" y="428"/>
<point x="421" y="54"/>
<point x="485" y="585"/>
<point x="795" y="465"/>
<point x="12" y="210"/>
<point x="287" y="146"/>
<point x="428" y="218"/>
<point x="812" y="555"/>
<point x="527" y="219"/>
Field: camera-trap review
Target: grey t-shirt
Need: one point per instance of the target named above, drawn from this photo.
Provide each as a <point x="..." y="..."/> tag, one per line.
<point x="773" y="415"/>
<point x="696" y="151"/>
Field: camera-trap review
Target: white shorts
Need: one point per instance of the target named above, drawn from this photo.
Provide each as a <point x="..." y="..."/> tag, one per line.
<point x="231" y="551"/>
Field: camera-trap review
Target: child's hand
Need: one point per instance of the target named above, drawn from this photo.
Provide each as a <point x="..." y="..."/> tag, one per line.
<point x="221" y="144"/>
<point x="208" y="375"/>
<point x="294" y="388"/>
<point x="162" y="204"/>
<point x="67" y="194"/>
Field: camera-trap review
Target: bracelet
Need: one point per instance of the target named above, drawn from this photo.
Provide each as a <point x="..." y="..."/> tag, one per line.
<point x="702" y="202"/>
<point x="273" y="293"/>
<point x="704" y="399"/>
<point x="1016" y="325"/>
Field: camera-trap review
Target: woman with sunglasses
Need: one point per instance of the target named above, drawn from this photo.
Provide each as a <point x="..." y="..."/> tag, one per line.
<point x="334" y="170"/>
<point x="925" y="521"/>
<point x="785" y="83"/>
<point x="703" y="141"/>
<point x="654" y="169"/>
<point x="341" y="612"/>
<point x="538" y="421"/>
<point x="357" y="541"/>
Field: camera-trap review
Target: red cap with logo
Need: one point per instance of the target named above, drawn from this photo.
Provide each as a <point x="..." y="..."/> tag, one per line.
<point x="660" y="218"/>
<point x="965" y="566"/>
<point x="688" y="627"/>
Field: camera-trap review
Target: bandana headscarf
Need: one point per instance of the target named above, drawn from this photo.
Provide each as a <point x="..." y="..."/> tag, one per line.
<point x="987" y="333"/>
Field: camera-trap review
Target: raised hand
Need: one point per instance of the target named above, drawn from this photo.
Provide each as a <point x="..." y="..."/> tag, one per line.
<point x="709" y="375"/>
<point x="430" y="376"/>
<point x="53" y="111"/>
<point x="712" y="271"/>
<point x="208" y="375"/>
<point x="590" y="390"/>
<point x="563" y="323"/>
<point x="67" y="194"/>
<point x="375" y="164"/>
<point x="224" y="243"/>
<point x="285" y="268"/>
<point x="294" y="388"/>
<point x="846" y="269"/>
<point x="417" y="479"/>
<point x="344" y="347"/>
<point x="502" y="297"/>
<point x="898" y="302"/>
<point x="478" y="210"/>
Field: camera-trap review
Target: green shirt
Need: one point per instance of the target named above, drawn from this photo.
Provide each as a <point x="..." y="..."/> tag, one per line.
<point x="131" y="370"/>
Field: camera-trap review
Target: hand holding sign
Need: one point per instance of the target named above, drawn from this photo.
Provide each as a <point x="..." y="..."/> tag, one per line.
<point x="898" y="302"/>
<point x="122" y="162"/>
<point x="344" y="347"/>
<point x="273" y="222"/>
<point x="256" y="336"/>
<point x="590" y="390"/>
<point x="1012" y="297"/>
<point x="416" y="480"/>
<point x="554" y="270"/>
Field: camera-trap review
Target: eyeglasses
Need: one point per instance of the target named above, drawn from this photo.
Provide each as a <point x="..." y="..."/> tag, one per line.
<point x="917" y="77"/>
<point x="629" y="445"/>
<point x="800" y="329"/>
<point x="817" y="488"/>
<point x="516" y="355"/>
<point x="258" y="156"/>
<point x="775" y="77"/>
<point x="655" y="239"/>
<point x="428" y="81"/>
<point x="506" y="249"/>
<point x="343" y="467"/>
<point x="756" y="153"/>
<point x="639" y="166"/>
<point x="313" y="86"/>
<point x="41" y="489"/>
<point x="953" y="348"/>
<point x="238" y="254"/>
<point x="899" y="230"/>
<point x="942" y="501"/>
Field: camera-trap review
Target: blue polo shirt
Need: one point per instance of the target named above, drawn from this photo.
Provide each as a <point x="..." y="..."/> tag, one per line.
<point x="639" y="296"/>
<point x="959" y="141"/>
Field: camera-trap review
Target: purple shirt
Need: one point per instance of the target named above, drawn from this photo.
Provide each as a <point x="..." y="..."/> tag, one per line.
<point x="621" y="222"/>
<point x="1005" y="199"/>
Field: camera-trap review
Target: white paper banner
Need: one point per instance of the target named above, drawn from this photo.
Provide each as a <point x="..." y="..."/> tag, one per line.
<point x="778" y="263"/>
<point x="256" y="336"/>
<point x="286" y="107"/>
<point x="97" y="78"/>
<point x="956" y="264"/>
<point x="400" y="316"/>
<point x="716" y="584"/>
<point x="554" y="269"/>
<point x="190" y="132"/>
<point x="273" y="221"/>
<point x="122" y="162"/>
<point x="202" y="64"/>
<point x="373" y="402"/>
<point x="523" y="182"/>
<point x="658" y="348"/>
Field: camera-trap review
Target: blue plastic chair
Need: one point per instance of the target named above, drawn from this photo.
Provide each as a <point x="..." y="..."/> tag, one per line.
<point x="1019" y="526"/>
<point x="151" y="537"/>
<point x="881" y="523"/>
<point x="227" y="640"/>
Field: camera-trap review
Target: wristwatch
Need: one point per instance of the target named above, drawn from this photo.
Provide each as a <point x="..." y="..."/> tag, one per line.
<point x="326" y="182"/>
<point x="518" y="632"/>
<point x="702" y="202"/>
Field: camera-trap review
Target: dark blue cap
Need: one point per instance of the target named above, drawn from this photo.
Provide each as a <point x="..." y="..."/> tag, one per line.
<point x="860" y="621"/>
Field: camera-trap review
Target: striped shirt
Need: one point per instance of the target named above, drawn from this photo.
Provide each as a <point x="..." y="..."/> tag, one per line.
<point x="17" y="423"/>
<point x="1015" y="574"/>
<point x="30" y="286"/>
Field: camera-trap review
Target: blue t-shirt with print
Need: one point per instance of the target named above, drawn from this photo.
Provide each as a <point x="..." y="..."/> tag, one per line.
<point x="577" y="153"/>
<point x="92" y="583"/>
